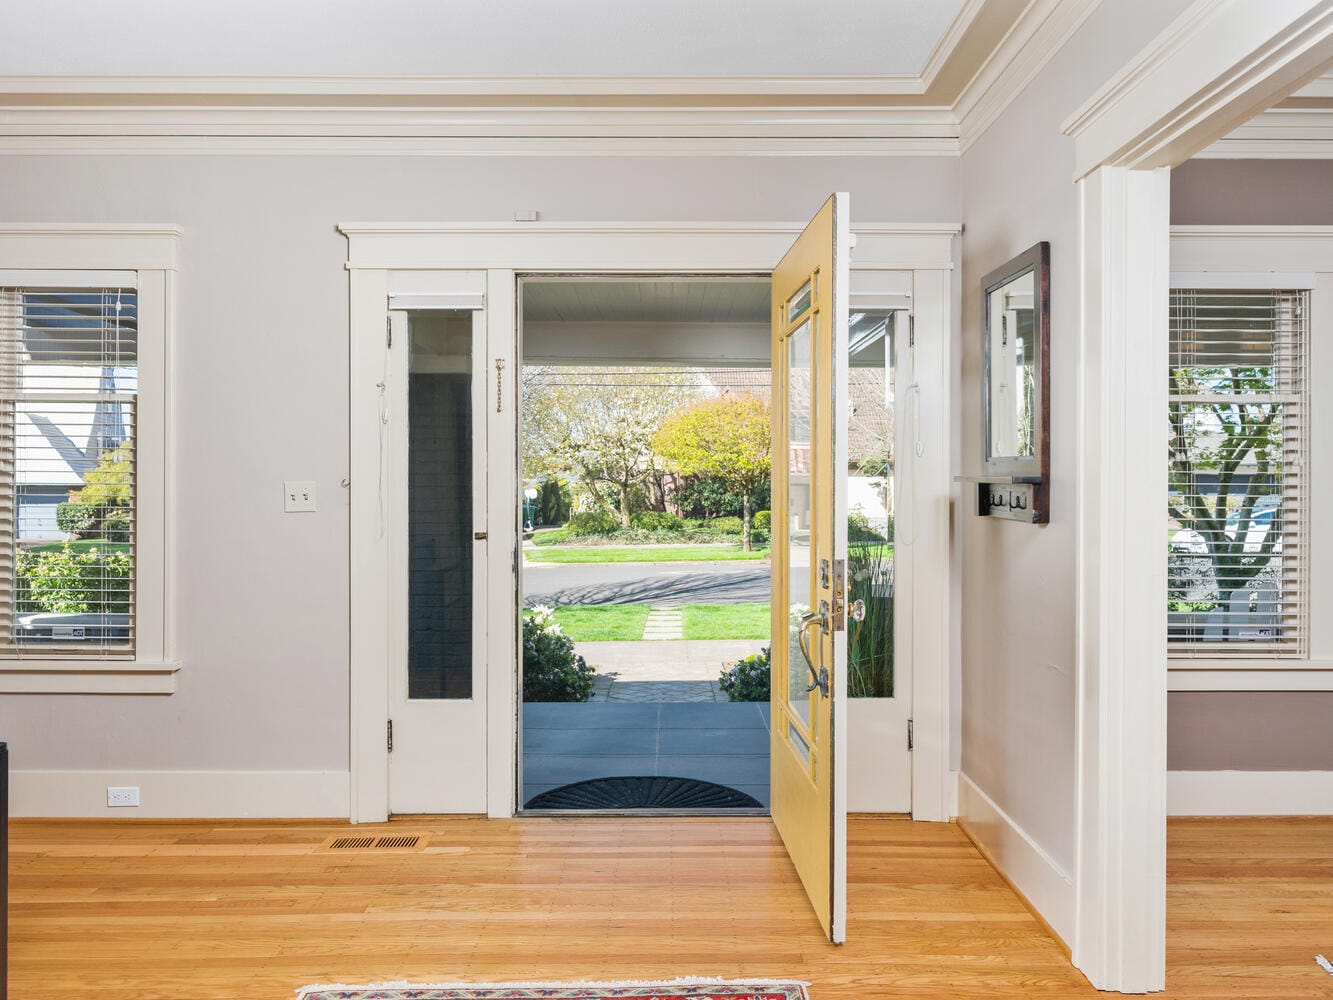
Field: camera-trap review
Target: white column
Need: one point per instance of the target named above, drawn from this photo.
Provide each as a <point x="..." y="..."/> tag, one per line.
<point x="1120" y="933"/>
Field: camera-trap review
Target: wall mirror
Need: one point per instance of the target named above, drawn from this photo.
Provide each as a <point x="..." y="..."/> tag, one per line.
<point x="1016" y="378"/>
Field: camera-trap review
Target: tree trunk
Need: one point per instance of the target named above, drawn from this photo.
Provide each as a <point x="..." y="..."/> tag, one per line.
<point x="624" y="505"/>
<point x="745" y="522"/>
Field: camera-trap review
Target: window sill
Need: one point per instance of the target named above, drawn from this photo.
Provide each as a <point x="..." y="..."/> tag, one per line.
<point x="87" y="677"/>
<point x="1249" y="675"/>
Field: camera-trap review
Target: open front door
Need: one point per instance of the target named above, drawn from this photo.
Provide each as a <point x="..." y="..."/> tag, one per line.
<point x="809" y="656"/>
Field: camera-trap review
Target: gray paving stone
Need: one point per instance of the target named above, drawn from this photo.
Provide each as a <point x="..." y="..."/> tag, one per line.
<point x="591" y="741"/>
<point x="713" y="741"/>
<point x="726" y="715"/>
<point x="561" y="715"/>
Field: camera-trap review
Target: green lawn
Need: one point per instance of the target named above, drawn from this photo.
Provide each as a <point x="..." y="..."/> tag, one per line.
<point x="726" y="621"/>
<point x="549" y="536"/>
<point x="624" y="622"/>
<point x="83" y="545"/>
<point x="603" y="622"/>
<point x="642" y="553"/>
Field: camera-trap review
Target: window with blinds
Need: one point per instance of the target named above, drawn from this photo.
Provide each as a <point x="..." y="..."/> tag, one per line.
<point x="68" y="389"/>
<point x="1237" y="508"/>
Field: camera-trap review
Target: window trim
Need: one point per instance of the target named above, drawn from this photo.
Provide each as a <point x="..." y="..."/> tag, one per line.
<point x="1292" y="257"/>
<point x="73" y="254"/>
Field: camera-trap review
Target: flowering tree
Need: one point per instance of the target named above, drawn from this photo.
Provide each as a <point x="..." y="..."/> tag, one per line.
<point x="729" y="438"/>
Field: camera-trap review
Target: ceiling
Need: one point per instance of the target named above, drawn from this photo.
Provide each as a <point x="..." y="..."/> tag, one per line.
<point x="496" y="38"/>
<point x="690" y="300"/>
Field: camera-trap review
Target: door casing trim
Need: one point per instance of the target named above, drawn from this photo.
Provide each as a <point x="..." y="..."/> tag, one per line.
<point x="386" y="258"/>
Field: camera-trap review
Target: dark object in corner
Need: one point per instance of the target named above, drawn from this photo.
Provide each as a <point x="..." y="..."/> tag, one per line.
<point x="643" y="793"/>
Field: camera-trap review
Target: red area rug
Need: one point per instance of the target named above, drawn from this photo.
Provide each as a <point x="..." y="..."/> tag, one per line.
<point x="683" y="989"/>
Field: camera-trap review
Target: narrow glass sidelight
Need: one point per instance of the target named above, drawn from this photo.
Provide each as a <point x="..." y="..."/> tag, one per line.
<point x="440" y="535"/>
<point x="800" y="397"/>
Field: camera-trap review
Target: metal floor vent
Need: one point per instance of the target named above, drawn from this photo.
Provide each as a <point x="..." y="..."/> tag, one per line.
<point x="643" y="793"/>
<point x="375" y="842"/>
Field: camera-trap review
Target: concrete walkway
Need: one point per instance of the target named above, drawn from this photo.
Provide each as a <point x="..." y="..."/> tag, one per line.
<point x="664" y="670"/>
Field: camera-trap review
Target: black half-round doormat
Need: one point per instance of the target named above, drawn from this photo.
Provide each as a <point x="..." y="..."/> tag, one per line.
<point x="643" y="793"/>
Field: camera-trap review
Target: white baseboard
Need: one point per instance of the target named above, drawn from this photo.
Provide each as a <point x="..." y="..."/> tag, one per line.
<point x="183" y="794"/>
<point x="1249" y="793"/>
<point x="1034" y="873"/>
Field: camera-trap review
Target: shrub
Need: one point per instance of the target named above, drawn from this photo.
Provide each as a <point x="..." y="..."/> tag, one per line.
<point x="762" y="520"/>
<point x="553" y="502"/>
<point x="709" y="496"/>
<point x="725" y="526"/>
<point x="77" y="518"/>
<point x="116" y="528"/>
<point x="656" y="520"/>
<point x="748" y="680"/>
<point x="552" y="671"/>
<point x="592" y="522"/>
<point x="69" y="582"/>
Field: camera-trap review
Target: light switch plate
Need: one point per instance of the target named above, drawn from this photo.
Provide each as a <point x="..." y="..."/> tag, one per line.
<point x="298" y="496"/>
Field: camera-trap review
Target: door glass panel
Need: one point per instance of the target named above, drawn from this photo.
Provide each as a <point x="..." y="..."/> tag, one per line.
<point x="870" y="504"/>
<point x="800" y="405"/>
<point x="439" y="648"/>
<point x="799" y="304"/>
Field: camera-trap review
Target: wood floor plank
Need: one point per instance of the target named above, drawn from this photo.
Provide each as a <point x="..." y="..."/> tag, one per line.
<point x="251" y="910"/>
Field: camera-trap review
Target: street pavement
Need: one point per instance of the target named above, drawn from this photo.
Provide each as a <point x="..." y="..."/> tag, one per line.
<point x="664" y="585"/>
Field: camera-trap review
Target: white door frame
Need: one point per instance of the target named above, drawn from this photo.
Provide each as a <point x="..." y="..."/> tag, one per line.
<point x="1217" y="65"/>
<point x="428" y="259"/>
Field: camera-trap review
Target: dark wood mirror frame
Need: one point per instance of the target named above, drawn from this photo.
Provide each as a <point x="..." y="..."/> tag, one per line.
<point x="1017" y="487"/>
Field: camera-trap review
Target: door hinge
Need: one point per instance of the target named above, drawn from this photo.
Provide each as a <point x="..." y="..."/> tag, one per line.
<point x="388" y="331"/>
<point x="911" y="330"/>
<point x="910" y="734"/>
<point x="390" y="736"/>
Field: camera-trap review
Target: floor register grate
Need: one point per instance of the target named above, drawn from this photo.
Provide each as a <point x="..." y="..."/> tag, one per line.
<point x="388" y="842"/>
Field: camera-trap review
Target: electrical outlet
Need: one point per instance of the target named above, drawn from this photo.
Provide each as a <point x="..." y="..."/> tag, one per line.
<point x="126" y="796"/>
<point x="298" y="496"/>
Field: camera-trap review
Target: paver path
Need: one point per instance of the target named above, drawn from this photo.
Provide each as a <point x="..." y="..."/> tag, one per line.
<point x="664" y="623"/>
<point x="663" y="670"/>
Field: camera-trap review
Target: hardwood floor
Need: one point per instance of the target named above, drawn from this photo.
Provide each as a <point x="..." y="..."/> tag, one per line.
<point x="238" y="910"/>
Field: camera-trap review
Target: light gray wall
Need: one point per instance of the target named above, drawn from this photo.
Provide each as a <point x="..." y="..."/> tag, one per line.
<point x="1252" y="193"/>
<point x="261" y="389"/>
<point x="1234" y="730"/>
<point x="1018" y="653"/>
<point x="1250" y="731"/>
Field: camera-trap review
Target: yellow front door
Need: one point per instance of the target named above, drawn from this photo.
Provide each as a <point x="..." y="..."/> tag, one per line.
<point x="809" y="534"/>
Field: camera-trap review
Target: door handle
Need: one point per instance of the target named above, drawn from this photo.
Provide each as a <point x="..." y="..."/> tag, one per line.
<point x="819" y="678"/>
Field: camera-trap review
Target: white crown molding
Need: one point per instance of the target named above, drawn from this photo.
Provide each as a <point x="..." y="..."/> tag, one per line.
<point x="949" y="41"/>
<point x="242" y="145"/>
<point x="115" y="88"/>
<point x="1321" y="88"/>
<point x="848" y="115"/>
<point x="1030" y="44"/>
<point x="1200" y="79"/>
<point x="1282" y="133"/>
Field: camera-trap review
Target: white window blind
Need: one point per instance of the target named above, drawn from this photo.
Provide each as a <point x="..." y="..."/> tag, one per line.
<point x="68" y="392"/>
<point x="1238" y="503"/>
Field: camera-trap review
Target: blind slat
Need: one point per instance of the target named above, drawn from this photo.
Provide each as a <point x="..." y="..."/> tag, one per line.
<point x="68" y="395"/>
<point x="1239" y="405"/>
